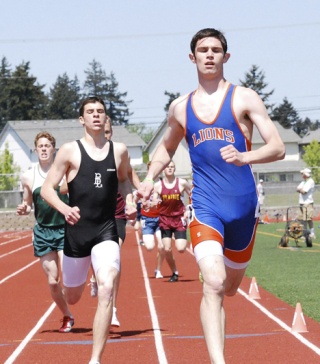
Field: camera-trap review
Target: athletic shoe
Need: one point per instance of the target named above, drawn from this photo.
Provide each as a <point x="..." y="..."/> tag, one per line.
<point x="67" y="323"/>
<point x="114" y="321"/>
<point x="158" y="274"/>
<point x="93" y="287"/>
<point x="174" y="278"/>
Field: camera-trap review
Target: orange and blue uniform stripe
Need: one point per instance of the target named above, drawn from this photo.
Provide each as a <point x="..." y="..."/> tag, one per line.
<point x="224" y="196"/>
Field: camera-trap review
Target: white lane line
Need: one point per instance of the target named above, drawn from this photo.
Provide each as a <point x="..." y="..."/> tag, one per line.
<point x="14" y="251"/>
<point x="298" y="336"/>
<point x="19" y="271"/>
<point x="13" y="240"/>
<point x="26" y="340"/>
<point x="281" y="323"/>
<point x="154" y="318"/>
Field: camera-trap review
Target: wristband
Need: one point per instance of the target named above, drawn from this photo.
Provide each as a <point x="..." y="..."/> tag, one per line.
<point x="131" y="203"/>
<point x="149" y="180"/>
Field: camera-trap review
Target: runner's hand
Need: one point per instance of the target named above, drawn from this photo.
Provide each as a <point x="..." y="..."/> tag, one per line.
<point x="73" y="215"/>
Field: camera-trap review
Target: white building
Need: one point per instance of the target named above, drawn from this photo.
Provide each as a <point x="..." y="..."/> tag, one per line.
<point x="19" y="136"/>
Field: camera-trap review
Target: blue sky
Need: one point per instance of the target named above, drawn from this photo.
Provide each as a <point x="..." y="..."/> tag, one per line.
<point x="146" y="44"/>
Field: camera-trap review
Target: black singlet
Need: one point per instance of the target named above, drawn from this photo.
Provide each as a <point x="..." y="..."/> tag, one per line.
<point x="94" y="190"/>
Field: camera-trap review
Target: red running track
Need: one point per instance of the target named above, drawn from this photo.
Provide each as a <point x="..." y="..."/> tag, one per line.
<point x="159" y="320"/>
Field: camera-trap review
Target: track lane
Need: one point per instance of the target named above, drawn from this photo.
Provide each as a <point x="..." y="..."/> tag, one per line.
<point x="252" y="337"/>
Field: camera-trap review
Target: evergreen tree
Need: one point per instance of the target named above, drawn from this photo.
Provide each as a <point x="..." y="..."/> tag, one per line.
<point x="254" y="79"/>
<point x="5" y="79"/>
<point x="97" y="83"/>
<point x="26" y="99"/>
<point x="313" y="125"/>
<point x="172" y="96"/>
<point x="64" y="98"/>
<point x="288" y="117"/>
<point x="117" y="107"/>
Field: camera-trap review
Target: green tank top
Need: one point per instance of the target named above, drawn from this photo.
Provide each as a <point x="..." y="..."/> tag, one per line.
<point x="46" y="215"/>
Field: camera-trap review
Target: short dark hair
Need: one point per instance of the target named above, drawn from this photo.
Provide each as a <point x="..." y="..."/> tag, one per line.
<point x="208" y="32"/>
<point x="89" y="100"/>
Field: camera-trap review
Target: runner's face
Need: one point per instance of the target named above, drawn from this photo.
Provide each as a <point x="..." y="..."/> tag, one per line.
<point x="169" y="170"/>
<point x="94" y="116"/>
<point x="44" y="149"/>
<point x="209" y="56"/>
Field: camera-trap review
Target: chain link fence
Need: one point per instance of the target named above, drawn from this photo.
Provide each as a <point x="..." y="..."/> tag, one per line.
<point x="278" y="197"/>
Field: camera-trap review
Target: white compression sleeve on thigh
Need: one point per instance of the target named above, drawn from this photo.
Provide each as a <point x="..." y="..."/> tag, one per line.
<point x="207" y="248"/>
<point x="75" y="270"/>
<point x="106" y="254"/>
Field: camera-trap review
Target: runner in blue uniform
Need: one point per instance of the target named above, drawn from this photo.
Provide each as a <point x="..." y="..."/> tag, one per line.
<point x="217" y="120"/>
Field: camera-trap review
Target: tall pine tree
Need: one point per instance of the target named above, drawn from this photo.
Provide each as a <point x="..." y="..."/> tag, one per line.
<point x="26" y="99"/>
<point x="255" y="79"/>
<point x="97" y="83"/>
<point x="287" y="116"/>
<point x="64" y="98"/>
<point x="5" y="79"/>
<point x="172" y="96"/>
<point x="117" y="107"/>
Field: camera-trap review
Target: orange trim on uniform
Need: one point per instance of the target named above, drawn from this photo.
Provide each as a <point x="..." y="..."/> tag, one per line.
<point x="200" y="232"/>
<point x="242" y="256"/>
<point x="247" y="141"/>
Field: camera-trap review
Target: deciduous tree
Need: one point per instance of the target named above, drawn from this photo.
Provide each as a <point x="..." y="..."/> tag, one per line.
<point x="312" y="158"/>
<point x="8" y="171"/>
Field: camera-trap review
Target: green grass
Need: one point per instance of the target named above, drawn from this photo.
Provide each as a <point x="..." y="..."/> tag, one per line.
<point x="292" y="274"/>
<point x="285" y="199"/>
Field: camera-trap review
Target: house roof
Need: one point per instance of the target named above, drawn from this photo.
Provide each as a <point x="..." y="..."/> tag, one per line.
<point x="66" y="131"/>
<point x="279" y="166"/>
<point x="159" y="131"/>
<point x="287" y="135"/>
<point x="310" y="136"/>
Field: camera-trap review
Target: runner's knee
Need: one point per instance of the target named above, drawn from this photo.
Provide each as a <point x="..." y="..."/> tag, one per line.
<point x="148" y="241"/>
<point x="214" y="284"/>
<point x="73" y="295"/>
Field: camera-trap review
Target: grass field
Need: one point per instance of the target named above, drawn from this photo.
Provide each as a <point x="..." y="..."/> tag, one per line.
<point x="285" y="199"/>
<point x="292" y="274"/>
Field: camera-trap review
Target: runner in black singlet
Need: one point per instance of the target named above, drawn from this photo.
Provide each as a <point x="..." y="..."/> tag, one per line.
<point x="95" y="169"/>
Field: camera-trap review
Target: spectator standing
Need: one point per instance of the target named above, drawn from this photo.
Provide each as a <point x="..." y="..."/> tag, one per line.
<point x="261" y="193"/>
<point x="306" y="190"/>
